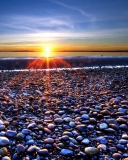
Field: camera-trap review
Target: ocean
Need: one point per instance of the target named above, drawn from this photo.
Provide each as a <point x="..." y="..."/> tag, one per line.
<point x="65" y="60"/>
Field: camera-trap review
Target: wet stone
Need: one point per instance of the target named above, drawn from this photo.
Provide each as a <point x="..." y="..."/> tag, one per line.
<point x="113" y="149"/>
<point x="102" y="147"/>
<point x="66" y="152"/>
<point x="85" y="116"/>
<point x="102" y="140"/>
<point x="117" y="156"/>
<point x="3" y="151"/>
<point x="2" y="127"/>
<point x="11" y="133"/>
<point x="85" y="141"/>
<point x="4" y="141"/>
<point x="91" y="151"/>
<point x="43" y="152"/>
<point x="20" y="136"/>
<point x="58" y="120"/>
<point x="103" y="126"/>
<point x="6" y="158"/>
<point x="26" y="131"/>
<point x="49" y="140"/>
<point x="81" y="128"/>
<point x="20" y="148"/>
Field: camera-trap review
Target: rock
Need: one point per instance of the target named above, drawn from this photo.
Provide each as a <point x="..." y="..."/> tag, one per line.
<point x="2" y="127"/>
<point x="117" y="156"/>
<point x="25" y="131"/>
<point x="49" y="140"/>
<point x="58" y="120"/>
<point x="3" y="151"/>
<point x="121" y="120"/>
<point x="81" y="128"/>
<point x="123" y="127"/>
<point x="103" y="126"/>
<point x="31" y="125"/>
<point x="71" y="124"/>
<point x="1" y="122"/>
<point x="20" y="136"/>
<point x="123" y="141"/>
<point x="15" y="157"/>
<point x="32" y="149"/>
<point x="43" y="152"/>
<point x="66" y="152"/>
<point x="113" y="149"/>
<point x="91" y="151"/>
<point x="6" y="158"/>
<point x="51" y="126"/>
<point x="102" y="147"/>
<point x="20" y="148"/>
<point x="120" y="147"/>
<point x="4" y="141"/>
<point x="85" y="141"/>
<point x="111" y="121"/>
<point x="85" y="116"/>
<point x="11" y="133"/>
<point x="102" y="140"/>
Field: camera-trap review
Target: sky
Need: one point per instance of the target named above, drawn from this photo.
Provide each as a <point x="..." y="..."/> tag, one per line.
<point x="63" y="25"/>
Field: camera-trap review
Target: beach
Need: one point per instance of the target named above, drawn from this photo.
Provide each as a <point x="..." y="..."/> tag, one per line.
<point x="64" y="114"/>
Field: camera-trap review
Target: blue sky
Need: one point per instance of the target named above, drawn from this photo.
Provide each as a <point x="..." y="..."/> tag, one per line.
<point x="79" y="23"/>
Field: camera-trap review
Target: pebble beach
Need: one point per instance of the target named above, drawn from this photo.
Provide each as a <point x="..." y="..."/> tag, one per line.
<point x="76" y="114"/>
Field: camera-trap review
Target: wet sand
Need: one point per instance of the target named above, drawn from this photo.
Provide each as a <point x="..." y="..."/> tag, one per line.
<point x="64" y="114"/>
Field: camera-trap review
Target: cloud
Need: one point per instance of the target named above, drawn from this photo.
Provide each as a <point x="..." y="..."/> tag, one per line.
<point x="82" y="12"/>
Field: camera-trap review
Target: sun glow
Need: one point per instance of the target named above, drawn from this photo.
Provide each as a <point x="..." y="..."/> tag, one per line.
<point x="47" y="51"/>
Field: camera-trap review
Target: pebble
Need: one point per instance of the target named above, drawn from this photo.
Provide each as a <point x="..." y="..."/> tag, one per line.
<point x="91" y="151"/>
<point x="4" y="141"/>
<point x="20" y="148"/>
<point x="49" y="140"/>
<point x="102" y="140"/>
<point x="66" y="152"/>
<point x="3" y="151"/>
<point x="102" y="147"/>
<point x="67" y="114"/>
<point x="103" y="126"/>
<point x="11" y="133"/>
<point x="6" y="158"/>
<point x="117" y="156"/>
<point x="26" y="131"/>
<point x="43" y="152"/>
<point x="85" y="141"/>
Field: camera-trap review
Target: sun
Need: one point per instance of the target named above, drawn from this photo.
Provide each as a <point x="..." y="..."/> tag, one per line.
<point x="47" y="51"/>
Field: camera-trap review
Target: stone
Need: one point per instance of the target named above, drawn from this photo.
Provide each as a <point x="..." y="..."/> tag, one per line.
<point x="91" y="151"/>
<point x="85" y="141"/>
<point x="20" y="136"/>
<point x="20" y="148"/>
<point x="49" y="140"/>
<point x="25" y="131"/>
<point x="103" y="126"/>
<point x="11" y="133"/>
<point x="71" y="124"/>
<point x="43" y="152"/>
<point x="3" y="151"/>
<point x="85" y="116"/>
<point x="58" y="120"/>
<point x="117" y="156"/>
<point x="32" y="149"/>
<point x="51" y="126"/>
<point x="2" y="127"/>
<point x="102" y="140"/>
<point x="6" y="158"/>
<point x="4" y="141"/>
<point x="102" y="147"/>
<point x="66" y="152"/>
<point x="81" y="128"/>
